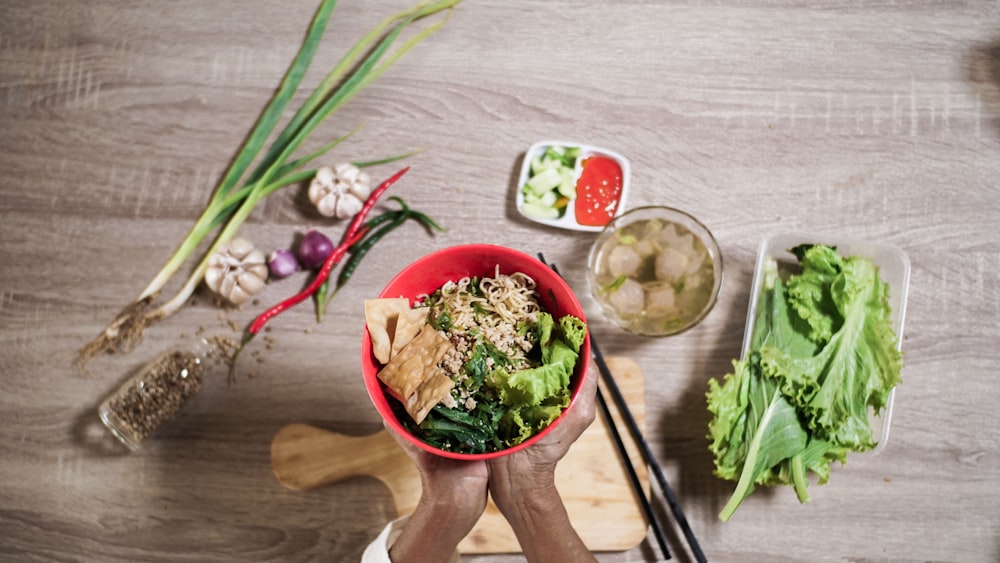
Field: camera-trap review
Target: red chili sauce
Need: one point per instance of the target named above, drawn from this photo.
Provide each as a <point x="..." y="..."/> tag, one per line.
<point x="598" y="191"/>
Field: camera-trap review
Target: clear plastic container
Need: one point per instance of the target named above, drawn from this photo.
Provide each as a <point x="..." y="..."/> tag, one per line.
<point x="155" y="394"/>
<point x="894" y="269"/>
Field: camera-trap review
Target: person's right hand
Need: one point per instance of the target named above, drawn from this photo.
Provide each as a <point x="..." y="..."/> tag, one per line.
<point x="453" y="497"/>
<point x="523" y="487"/>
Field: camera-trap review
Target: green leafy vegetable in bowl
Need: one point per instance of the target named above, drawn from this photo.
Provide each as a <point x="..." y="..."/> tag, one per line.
<point x="511" y="366"/>
<point x="823" y="352"/>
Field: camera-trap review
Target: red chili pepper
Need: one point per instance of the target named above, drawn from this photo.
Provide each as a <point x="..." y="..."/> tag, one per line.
<point x="354" y="233"/>
<point x="359" y="218"/>
<point x="324" y="272"/>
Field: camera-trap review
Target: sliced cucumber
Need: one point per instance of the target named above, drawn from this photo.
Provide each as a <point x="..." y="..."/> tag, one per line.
<point x="566" y="187"/>
<point x="551" y="183"/>
<point x="540" y="164"/>
<point x="544" y="181"/>
<point x="540" y="211"/>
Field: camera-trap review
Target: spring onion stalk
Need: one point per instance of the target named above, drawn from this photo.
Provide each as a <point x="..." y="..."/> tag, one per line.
<point x="229" y="207"/>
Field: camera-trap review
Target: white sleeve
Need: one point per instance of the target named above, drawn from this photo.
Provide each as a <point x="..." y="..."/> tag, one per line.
<point x="378" y="550"/>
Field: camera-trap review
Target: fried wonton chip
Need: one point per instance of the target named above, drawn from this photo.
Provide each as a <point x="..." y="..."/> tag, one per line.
<point x="408" y="325"/>
<point x="381" y="316"/>
<point x="432" y="391"/>
<point x="413" y="375"/>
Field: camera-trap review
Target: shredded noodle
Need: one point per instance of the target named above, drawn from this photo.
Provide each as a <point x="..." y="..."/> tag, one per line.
<point x="507" y="299"/>
<point x="494" y="312"/>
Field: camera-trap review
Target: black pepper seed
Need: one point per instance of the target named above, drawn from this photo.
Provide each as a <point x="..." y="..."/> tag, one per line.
<point x="156" y="395"/>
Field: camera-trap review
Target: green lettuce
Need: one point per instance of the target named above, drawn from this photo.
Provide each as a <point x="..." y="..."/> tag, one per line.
<point x="822" y="354"/>
<point x="537" y="396"/>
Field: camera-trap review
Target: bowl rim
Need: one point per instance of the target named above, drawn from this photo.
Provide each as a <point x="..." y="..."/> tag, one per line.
<point x="370" y="367"/>
<point x="711" y="245"/>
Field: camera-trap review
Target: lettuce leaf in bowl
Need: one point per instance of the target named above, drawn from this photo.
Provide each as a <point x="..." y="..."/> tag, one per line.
<point x="537" y="396"/>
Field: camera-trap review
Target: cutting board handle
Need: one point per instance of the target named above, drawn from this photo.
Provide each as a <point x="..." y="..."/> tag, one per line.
<point x="304" y="457"/>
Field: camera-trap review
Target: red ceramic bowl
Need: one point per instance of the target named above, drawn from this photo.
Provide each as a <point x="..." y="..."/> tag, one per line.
<point x="431" y="272"/>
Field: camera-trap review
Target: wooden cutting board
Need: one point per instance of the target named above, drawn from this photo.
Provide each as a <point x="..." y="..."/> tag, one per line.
<point x="591" y="479"/>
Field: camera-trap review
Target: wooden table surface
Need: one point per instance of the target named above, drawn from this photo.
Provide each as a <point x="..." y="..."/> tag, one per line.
<point x="874" y="120"/>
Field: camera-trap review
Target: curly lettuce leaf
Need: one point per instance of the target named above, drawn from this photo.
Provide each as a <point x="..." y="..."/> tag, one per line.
<point x="771" y="434"/>
<point x="573" y="331"/>
<point x="859" y="364"/>
<point x="532" y="386"/>
<point x="536" y="396"/>
<point x="808" y="293"/>
<point x="822" y="353"/>
<point x="522" y="423"/>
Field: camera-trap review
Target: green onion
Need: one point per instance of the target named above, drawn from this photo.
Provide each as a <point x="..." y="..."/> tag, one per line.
<point x="230" y="206"/>
<point x="614" y="285"/>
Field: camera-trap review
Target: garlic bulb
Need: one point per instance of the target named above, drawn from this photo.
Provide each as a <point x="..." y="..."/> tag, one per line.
<point x="339" y="191"/>
<point x="236" y="271"/>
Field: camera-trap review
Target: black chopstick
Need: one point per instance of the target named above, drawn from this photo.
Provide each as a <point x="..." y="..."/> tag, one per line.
<point x="647" y="453"/>
<point x="647" y="509"/>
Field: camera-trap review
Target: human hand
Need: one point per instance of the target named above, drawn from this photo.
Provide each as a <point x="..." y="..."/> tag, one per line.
<point x="453" y="497"/>
<point x="534" y="467"/>
<point x="461" y="484"/>
<point x="523" y="487"/>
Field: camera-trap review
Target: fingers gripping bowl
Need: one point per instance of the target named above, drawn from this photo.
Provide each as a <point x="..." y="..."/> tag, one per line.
<point x="417" y="284"/>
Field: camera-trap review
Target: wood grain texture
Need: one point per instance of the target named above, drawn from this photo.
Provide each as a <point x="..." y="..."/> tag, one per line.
<point x="877" y="120"/>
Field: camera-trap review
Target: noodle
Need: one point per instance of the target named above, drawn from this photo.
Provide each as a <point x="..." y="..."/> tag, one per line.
<point x="493" y="309"/>
<point x="507" y="299"/>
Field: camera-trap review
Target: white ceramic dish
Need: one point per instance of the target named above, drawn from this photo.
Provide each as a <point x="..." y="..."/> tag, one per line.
<point x="894" y="268"/>
<point x="569" y="220"/>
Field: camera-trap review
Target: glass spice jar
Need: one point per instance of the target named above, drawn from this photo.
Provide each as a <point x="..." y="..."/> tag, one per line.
<point x="155" y="394"/>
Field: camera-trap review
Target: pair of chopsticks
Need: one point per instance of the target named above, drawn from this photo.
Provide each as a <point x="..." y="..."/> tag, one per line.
<point x="647" y="454"/>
